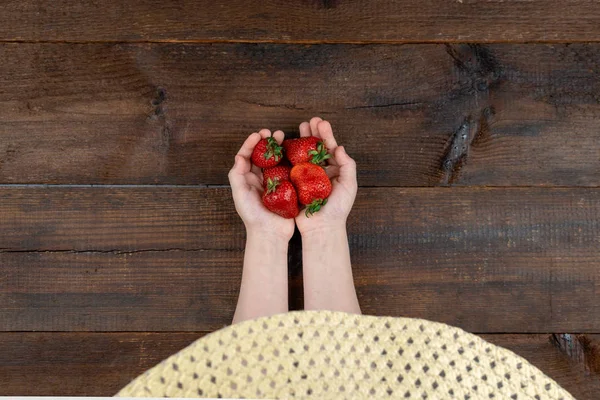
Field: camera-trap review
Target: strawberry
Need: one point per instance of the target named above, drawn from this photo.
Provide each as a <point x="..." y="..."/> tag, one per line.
<point x="313" y="186"/>
<point x="267" y="153"/>
<point x="281" y="198"/>
<point x="305" y="149"/>
<point x="279" y="172"/>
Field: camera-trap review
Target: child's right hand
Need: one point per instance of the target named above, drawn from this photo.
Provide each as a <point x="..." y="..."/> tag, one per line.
<point x="342" y="172"/>
<point x="246" y="186"/>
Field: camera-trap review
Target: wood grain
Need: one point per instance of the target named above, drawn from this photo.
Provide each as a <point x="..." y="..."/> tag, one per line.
<point x="117" y="219"/>
<point x="302" y="21"/>
<point x="454" y="255"/>
<point x="96" y="291"/>
<point x="100" y="364"/>
<point x="169" y="259"/>
<point x="411" y="115"/>
<point x="81" y="364"/>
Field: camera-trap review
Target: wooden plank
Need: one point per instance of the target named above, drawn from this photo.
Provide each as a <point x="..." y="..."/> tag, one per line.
<point x="487" y="260"/>
<point x="80" y="364"/>
<point x="306" y="21"/>
<point x="411" y="115"/>
<point x="454" y="255"/>
<point x="118" y="219"/>
<point x="100" y="364"/>
<point x="96" y="291"/>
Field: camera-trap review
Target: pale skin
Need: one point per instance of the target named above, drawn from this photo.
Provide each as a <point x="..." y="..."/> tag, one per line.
<point x="328" y="280"/>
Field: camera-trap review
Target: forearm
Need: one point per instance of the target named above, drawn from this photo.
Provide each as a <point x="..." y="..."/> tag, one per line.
<point x="264" y="290"/>
<point x="328" y="280"/>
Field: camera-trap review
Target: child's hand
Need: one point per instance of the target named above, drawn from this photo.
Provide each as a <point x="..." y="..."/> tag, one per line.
<point x="246" y="186"/>
<point x="342" y="172"/>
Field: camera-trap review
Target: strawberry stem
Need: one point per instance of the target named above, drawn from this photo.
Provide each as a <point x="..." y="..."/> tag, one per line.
<point x="273" y="149"/>
<point x="272" y="185"/>
<point x="320" y="154"/>
<point x="314" y="207"/>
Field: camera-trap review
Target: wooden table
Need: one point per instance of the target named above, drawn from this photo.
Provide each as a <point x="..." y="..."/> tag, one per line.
<point x="475" y="125"/>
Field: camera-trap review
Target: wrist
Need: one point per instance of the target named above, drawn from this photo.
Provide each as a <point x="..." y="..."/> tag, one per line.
<point x="324" y="243"/>
<point x="267" y="235"/>
<point x="324" y="231"/>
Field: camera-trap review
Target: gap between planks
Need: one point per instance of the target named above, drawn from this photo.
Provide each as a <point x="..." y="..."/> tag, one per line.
<point x="300" y="42"/>
<point x="215" y="186"/>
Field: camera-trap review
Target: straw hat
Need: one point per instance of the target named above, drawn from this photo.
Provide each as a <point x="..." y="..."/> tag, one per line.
<point x="335" y="355"/>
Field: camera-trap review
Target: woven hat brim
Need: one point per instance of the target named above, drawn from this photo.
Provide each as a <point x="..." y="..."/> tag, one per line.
<point x="323" y="354"/>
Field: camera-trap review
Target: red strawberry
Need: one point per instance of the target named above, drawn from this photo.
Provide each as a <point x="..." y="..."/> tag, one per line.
<point x="267" y="153"/>
<point x="305" y="149"/>
<point x="279" y="172"/>
<point x="281" y="198"/>
<point x="313" y="186"/>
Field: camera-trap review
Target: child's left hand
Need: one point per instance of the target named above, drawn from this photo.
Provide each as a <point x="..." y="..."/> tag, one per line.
<point x="246" y="185"/>
<point x="342" y="172"/>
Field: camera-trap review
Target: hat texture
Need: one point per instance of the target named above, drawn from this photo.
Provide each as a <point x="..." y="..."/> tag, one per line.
<point x="331" y="355"/>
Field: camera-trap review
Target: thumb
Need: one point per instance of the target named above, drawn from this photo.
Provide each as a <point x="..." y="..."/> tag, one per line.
<point x="236" y="174"/>
<point x="347" y="165"/>
<point x="241" y="165"/>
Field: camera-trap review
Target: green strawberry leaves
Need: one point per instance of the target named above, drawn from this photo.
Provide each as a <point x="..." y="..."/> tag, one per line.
<point x="320" y="154"/>
<point x="314" y="207"/>
<point x="273" y="149"/>
<point x="272" y="185"/>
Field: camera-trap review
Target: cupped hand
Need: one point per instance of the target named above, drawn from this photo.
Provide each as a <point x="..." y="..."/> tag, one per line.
<point x="246" y="186"/>
<point x="342" y="172"/>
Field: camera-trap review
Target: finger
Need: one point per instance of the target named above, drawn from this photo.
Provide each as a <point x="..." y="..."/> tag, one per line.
<point x="249" y="145"/>
<point x="304" y="129"/>
<point x="324" y="128"/>
<point x="237" y="172"/>
<point x="256" y="170"/>
<point x="347" y="165"/>
<point x="332" y="171"/>
<point x="279" y="136"/>
<point x="313" y="126"/>
<point x="264" y="133"/>
<point x="255" y="181"/>
<point x="326" y="133"/>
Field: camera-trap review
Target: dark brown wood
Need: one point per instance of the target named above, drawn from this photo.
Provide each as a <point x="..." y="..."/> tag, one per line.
<point x="100" y="364"/>
<point x="582" y="349"/>
<point x="118" y="219"/>
<point x="302" y="21"/>
<point x="164" y="259"/>
<point x="80" y="364"/>
<point x="411" y="115"/>
<point x="97" y="291"/>
<point x="461" y="256"/>
<point x="112" y="95"/>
